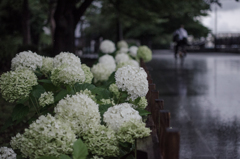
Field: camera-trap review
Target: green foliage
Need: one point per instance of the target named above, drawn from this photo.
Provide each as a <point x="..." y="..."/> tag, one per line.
<point x="78" y="87"/>
<point x="19" y="112"/>
<point x="143" y="112"/>
<point x="37" y="91"/>
<point x="79" y="150"/>
<point x="62" y="94"/>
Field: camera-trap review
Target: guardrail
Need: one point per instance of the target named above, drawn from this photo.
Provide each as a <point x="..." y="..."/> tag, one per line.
<point x="164" y="142"/>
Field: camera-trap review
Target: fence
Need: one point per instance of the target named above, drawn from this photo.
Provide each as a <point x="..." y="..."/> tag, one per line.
<point x="164" y="142"/>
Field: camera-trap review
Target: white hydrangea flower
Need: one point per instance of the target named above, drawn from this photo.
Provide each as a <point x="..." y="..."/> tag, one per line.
<point x="107" y="59"/>
<point x="66" y="58"/>
<point x="117" y="115"/>
<point x="122" y="44"/>
<point x="123" y="50"/>
<point x="145" y="53"/>
<point x="101" y="141"/>
<point x="47" y="136"/>
<point x="47" y="65"/>
<point x="133" y="80"/>
<point x="7" y="153"/>
<point x="133" y="63"/>
<point x="107" y="47"/>
<point x="102" y="71"/>
<point x="46" y="98"/>
<point x="26" y="59"/>
<point x="80" y="111"/>
<point x="133" y="51"/>
<point x="66" y="74"/>
<point x="16" y="85"/>
<point x="132" y="130"/>
<point x="121" y="57"/>
<point x="88" y="73"/>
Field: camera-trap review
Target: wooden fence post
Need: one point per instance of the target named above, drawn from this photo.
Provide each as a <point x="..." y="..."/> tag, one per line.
<point x="172" y="144"/>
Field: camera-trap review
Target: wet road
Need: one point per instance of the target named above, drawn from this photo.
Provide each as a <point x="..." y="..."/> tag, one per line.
<point x="203" y="95"/>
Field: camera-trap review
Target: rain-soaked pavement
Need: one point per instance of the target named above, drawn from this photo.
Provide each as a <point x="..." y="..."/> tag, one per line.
<point x="203" y="95"/>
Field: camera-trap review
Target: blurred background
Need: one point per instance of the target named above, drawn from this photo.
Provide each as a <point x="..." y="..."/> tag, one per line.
<point x="50" y="26"/>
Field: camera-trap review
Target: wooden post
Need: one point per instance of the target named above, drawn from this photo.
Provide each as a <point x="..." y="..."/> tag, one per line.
<point x="160" y="103"/>
<point x="172" y="143"/>
<point x="154" y="109"/>
<point x="164" y="122"/>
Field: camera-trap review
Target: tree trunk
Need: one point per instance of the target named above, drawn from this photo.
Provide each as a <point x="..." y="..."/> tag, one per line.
<point x="65" y="26"/>
<point x="66" y="18"/>
<point x="26" y="23"/>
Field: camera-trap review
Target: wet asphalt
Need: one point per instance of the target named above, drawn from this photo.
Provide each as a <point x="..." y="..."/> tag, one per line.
<point x="202" y="92"/>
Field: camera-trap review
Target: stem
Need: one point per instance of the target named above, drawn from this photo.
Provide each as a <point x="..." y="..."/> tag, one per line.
<point x="74" y="89"/>
<point x="119" y="98"/>
<point x="35" y="107"/>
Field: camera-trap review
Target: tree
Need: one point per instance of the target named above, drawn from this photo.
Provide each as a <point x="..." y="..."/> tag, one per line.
<point x="67" y="15"/>
<point x="146" y="20"/>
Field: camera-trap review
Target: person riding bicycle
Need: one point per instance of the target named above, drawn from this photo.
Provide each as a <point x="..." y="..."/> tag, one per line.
<point x="180" y="37"/>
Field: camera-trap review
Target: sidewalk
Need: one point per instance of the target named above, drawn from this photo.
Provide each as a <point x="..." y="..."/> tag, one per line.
<point x="202" y="93"/>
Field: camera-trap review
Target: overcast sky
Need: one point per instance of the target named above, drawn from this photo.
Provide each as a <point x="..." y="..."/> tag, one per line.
<point x="228" y="17"/>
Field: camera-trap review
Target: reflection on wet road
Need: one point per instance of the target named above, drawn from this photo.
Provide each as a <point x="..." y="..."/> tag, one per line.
<point x="203" y="95"/>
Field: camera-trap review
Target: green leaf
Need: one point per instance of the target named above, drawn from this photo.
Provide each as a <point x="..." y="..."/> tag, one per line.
<point x="64" y="157"/>
<point x="48" y="157"/>
<point x="19" y="112"/>
<point x="143" y="112"/>
<point x="37" y="91"/>
<point x="63" y="93"/>
<point x="7" y="123"/>
<point x="19" y="157"/>
<point x="103" y="109"/>
<point x="45" y="81"/>
<point x="102" y="93"/>
<point x="22" y="101"/>
<point x="137" y="100"/>
<point x="70" y="89"/>
<point x="79" y="87"/>
<point x="79" y="150"/>
<point x="50" y="87"/>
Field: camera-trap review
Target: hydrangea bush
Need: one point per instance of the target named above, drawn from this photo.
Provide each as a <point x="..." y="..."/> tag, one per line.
<point x="145" y="53"/>
<point x="107" y="47"/>
<point x="68" y="115"/>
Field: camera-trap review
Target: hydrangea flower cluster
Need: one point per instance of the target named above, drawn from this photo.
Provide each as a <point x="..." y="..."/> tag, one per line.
<point x="121" y="57"/>
<point x="47" y="65"/>
<point x="45" y="136"/>
<point x="113" y="88"/>
<point x="122" y="44"/>
<point x="133" y="63"/>
<point x="107" y="101"/>
<point x="46" y="98"/>
<point x="80" y="111"/>
<point x="7" y="153"/>
<point x="66" y="58"/>
<point x="131" y="130"/>
<point x="133" y="51"/>
<point x="26" y="59"/>
<point x="142" y="104"/>
<point x="88" y="73"/>
<point x="101" y="141"/>
<point x="102" y="71"/>
<point x="107" y="59"/>
<point x="115" y="116"/>
<point x="66" y="74"/>
<point x="145" y="53"/>
<point x="107" y="47"/>
<point x="89" y="94"/>
<point x="16" y="85"/>
<point x="133" y="80"/>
